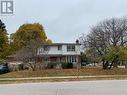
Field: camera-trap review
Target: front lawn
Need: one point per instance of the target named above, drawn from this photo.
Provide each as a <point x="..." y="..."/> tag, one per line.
<point x="64" y="72"/>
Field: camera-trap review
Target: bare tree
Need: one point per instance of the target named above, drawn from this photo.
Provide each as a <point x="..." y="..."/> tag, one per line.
<point x="29" y="54"/>
<point x="109" y="33"/>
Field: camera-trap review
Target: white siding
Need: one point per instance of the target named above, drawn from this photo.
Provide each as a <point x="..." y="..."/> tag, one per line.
<point x="53" y="50"/>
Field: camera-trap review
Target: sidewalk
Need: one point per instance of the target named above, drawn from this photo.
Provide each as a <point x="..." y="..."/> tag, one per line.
<point x="62" y="77"/>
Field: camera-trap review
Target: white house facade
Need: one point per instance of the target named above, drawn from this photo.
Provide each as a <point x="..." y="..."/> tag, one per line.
<point x="60" y="52"/>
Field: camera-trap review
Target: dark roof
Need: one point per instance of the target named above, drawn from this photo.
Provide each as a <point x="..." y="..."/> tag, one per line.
<point x="55" y="44"/>
<point x="49" y="55"/>
<point x="54" y="55"/>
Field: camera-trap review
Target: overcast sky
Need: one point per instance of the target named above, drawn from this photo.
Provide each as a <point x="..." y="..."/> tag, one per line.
<point x="64" y="20"/>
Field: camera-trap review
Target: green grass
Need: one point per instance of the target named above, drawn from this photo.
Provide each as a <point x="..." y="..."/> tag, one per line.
<point x="65" y="72"/>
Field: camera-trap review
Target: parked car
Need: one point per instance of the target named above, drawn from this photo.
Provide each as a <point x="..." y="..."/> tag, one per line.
<point x="4" y="68"/>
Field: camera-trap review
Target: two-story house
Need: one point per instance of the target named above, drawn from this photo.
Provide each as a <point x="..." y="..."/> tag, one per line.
<point x="61" y="52"/>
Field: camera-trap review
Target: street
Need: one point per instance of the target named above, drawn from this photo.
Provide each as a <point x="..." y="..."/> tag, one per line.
<point x="105" y="87"/>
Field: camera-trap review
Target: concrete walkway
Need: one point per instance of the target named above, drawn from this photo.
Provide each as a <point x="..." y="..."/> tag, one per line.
<point x="63" y="77"/>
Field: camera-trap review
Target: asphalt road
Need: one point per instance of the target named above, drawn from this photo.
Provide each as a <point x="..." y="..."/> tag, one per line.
<point x="112" y="87"/>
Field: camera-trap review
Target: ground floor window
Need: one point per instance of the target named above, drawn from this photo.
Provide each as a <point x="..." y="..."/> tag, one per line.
<point x="71" y="59"/>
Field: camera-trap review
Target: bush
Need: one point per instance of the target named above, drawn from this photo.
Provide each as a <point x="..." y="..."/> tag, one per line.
<point x="62" y="65"/>
<point x="69" y="65"/>
<point x="20" y="67"/>
<point x="50" y="65"/>
<point x="17" y="67"/>
<point x="53" y="65"/>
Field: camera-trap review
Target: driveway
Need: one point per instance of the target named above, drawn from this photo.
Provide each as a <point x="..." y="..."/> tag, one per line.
<point x="111" y="87"/>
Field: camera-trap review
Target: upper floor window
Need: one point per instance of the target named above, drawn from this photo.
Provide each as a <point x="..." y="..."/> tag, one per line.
<point x="46" y="48"/>
<point x="71" y="48"/>
<point x="59" y="47"/>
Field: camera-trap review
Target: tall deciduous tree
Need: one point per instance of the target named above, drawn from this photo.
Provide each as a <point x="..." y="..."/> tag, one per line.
<point x="108" y="39"/>
<point x="27" y="40"/>
<point x="28" y="32"/>
<point x="3" y="40"/>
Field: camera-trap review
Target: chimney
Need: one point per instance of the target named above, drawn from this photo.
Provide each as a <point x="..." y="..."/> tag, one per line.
<point x="77" y="41"/>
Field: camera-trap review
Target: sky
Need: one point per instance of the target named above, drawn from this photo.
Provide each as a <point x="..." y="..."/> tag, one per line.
<point x="64" y="20"/>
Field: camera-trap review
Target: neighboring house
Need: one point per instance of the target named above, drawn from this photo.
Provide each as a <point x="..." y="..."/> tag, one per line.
<point x="12" y="60"/>
<point x="60" y="52"/>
